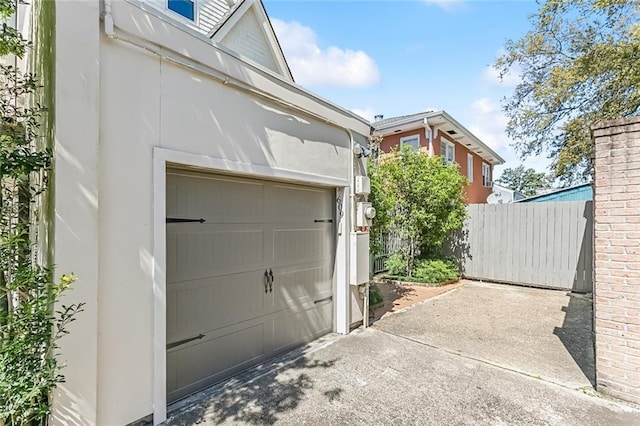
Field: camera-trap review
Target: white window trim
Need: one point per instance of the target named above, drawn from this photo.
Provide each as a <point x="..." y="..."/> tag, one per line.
<point x="444" y="154"/>
<point x="470" y="167"/>
<point x="405" y="139"/>
<point x="486" y="179"/>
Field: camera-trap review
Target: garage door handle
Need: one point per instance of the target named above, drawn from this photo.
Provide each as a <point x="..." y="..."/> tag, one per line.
<point x="270" y="281"/>
<point x="266" y="282"/>
<point x="182" y="342"/>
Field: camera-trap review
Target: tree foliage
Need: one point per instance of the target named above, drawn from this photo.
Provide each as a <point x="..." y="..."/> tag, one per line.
<point x="579" y="63"/>
<point x="418" y="198"/>
<point x="29" y="329"/>
<point x="525" y="181"/>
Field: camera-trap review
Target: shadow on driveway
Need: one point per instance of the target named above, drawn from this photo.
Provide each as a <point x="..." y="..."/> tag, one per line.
<point x="576" y="334"/>
<point x="256" y="397"/>
<point x="481" y="354"/>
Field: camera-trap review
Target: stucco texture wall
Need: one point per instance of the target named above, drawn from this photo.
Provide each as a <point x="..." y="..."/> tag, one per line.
<point x="116" y="103"/>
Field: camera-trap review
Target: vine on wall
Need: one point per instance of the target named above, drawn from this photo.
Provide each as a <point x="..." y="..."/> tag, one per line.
<point x="29" y="326"/>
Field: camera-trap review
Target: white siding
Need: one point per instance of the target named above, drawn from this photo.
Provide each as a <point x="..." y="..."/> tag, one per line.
<point x="211" y="13"/>
<point x="248" y="39"/>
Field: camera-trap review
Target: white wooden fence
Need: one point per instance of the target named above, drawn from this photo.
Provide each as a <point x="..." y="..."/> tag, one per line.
<point x="539" y="244"/>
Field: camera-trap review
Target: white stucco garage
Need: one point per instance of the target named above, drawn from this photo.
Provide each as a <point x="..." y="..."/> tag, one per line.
<point x="205" y="201"/>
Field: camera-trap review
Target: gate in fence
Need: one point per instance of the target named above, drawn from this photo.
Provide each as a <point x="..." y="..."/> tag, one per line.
<point x="390" y="244"/>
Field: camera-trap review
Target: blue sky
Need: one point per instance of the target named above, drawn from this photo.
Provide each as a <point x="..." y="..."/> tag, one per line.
<point x="402" y="57"/>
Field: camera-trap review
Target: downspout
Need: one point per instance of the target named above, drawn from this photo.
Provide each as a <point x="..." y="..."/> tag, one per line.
<point x="428" y="133"/>
<point x="108" y="20"/>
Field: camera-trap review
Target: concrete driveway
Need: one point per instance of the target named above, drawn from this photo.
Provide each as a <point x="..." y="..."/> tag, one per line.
<point x="480" y="354"/>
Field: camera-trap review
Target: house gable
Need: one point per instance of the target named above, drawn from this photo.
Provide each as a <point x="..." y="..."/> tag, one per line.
<point x="247" y="32"/>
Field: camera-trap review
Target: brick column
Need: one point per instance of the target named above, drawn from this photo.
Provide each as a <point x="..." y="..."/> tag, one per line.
<point x="617" y="257"/>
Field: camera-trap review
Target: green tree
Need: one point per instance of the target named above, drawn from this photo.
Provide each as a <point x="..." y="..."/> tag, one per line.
<point x="580" y="63"/>
<point x="525" y="181"/>
<point x="418" y="198"/>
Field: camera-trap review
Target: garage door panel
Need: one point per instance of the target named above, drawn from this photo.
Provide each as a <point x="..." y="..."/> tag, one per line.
<point x="298" y="289"/>
<point x="294" y="204"/>
<point x="301" y="245"/>
<point x="293" y="329"/>
<point x="205" y="305"/>
<point x="198" y="365"/>
<point x="215" y="199"/>
<point x="205" y="251"/>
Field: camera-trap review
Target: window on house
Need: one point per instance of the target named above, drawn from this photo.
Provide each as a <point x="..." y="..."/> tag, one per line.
<point x="413" y="141"/>
<point x="447" y="151"/>
<point x="486" y="175"/>
<point x="470" y="167"/>
<point x="185" y="8"/>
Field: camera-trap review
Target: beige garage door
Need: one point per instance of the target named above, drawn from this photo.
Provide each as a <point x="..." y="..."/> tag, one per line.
<point x="254" y="279"/>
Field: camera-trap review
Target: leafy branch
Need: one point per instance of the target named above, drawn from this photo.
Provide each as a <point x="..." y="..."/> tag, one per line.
<point x="29" y="326"/>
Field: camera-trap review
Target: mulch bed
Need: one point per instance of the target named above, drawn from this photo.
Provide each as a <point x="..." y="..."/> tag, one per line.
<point x="399" y="295"/>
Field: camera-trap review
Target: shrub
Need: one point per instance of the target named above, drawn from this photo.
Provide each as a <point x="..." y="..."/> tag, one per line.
<point x="434" y="271"/>
<point x="375" y="295"/>
<point x="396" y="265"/>
<point x="428" y="271"/>
<point x="29" y="326"/>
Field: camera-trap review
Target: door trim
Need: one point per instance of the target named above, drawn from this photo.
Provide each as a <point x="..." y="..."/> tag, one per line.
<point x="162" y="158"/>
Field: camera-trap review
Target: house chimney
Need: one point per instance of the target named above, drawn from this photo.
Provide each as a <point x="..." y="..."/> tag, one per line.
<point x="378" y="117"/>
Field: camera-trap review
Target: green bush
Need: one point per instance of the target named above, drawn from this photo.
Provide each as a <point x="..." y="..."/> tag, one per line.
<point x="375" y="295"/>
<point x="435" y="271"/>
<point x="396" y="265"/>
<point x="428" y="271"/>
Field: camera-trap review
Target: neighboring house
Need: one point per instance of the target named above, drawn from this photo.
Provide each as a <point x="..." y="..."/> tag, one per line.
<point x="583" y="192"/>
<point x="503" y="195"/>
<point x="203" y="199"/>
<point x="437" y="133"/>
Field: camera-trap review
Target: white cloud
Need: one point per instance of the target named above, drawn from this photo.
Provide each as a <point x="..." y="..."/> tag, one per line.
<point x="333" y="66"/>
<point x="489" y="123"/>
<point x="491" y="76"/>
<point x="366" y="113"/>
<point x="447" y="5"/>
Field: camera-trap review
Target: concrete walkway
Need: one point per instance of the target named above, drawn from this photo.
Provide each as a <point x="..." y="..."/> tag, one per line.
<point x="480" y="354"/>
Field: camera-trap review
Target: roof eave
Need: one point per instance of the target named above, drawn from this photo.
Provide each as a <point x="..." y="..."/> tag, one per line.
<point x="416" y="122"/>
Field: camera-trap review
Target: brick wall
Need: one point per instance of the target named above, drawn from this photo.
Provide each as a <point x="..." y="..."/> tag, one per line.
<point x="617" y="257"/>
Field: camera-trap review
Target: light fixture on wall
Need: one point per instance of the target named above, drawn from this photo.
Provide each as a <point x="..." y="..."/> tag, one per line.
<point x="361" y="151"/>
